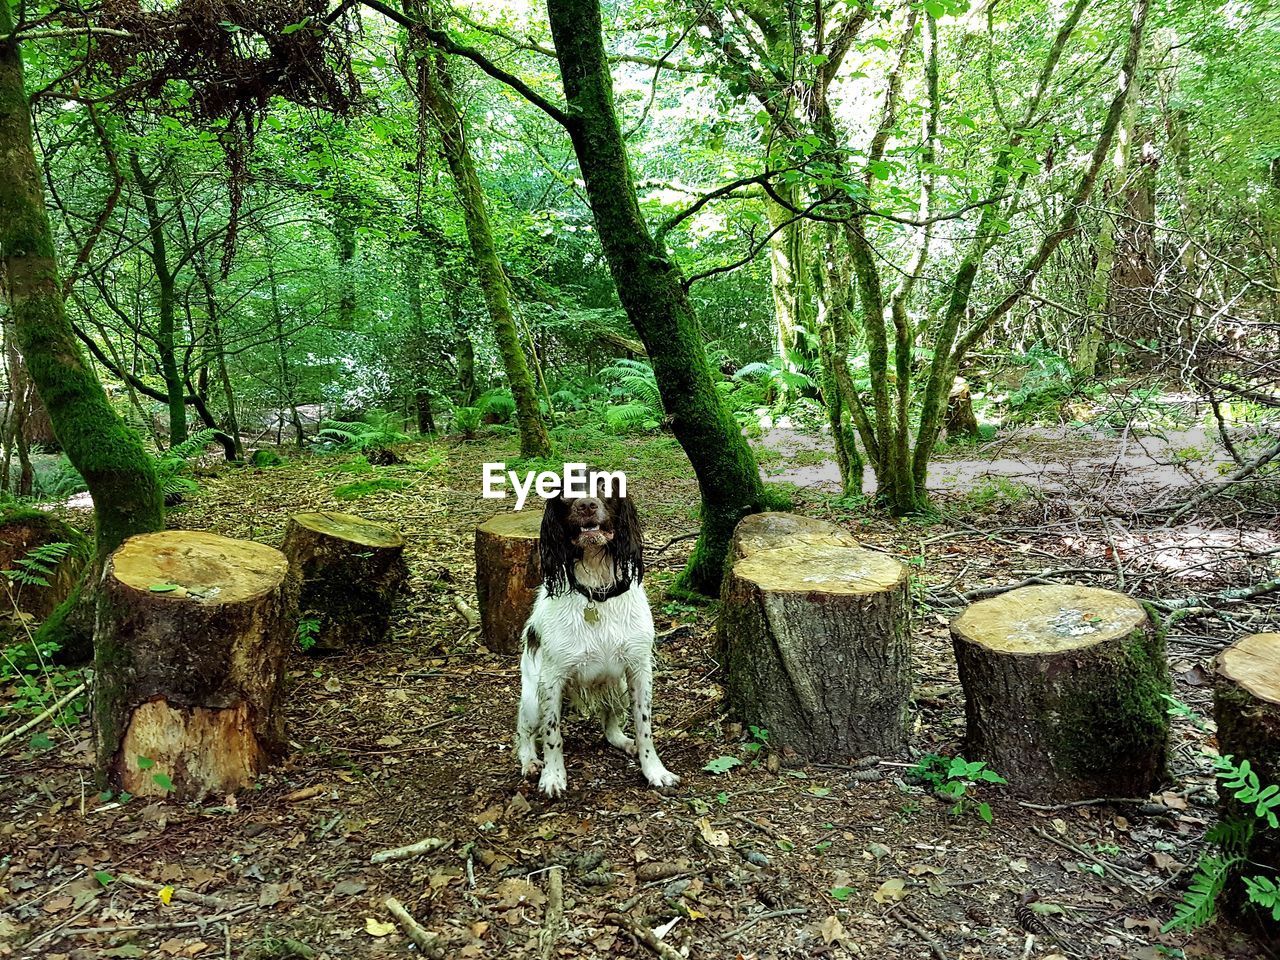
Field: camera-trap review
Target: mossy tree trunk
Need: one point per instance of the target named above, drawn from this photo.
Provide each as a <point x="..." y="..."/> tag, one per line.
<point x="119" y="473"/>
<point x="653" y="294"/>
<point x="435" y="87"/>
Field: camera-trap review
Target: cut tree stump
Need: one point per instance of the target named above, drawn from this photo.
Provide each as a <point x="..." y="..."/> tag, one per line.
<point x="508" y="575"/>
<point x="817" y="648"/>
<point x="1063" y="692"/>
<point x="193" y="633"/>
<point x="351" y="571"/>
<point x="1246" y="706"/>
<point x="959" y="420"/>
<point x="763" y="531"/>
<point x="23" y="530"/>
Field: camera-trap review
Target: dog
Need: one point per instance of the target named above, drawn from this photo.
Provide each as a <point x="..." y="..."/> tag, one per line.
<point x="590" y="637"/>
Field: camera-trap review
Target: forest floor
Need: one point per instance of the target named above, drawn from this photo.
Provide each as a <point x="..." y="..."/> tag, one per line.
<point x="412" y="739"/>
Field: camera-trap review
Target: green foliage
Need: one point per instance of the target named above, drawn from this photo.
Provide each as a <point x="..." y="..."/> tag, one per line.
<point x="635" y="385"/>
<point x="38" y="566"/>
<point x="1049" y="380"/>
<point x="722" y="764"/>
<point x="373" y="435"/>
<point x="496" y="406"/>
<point x="307" y="633"/>
<point x="265" y="458"/>
<point x="467" y="420"/>
<point x="363" y="488"/>
<point x="1231" y="837"/>
<point x="955" y="778"/>
<point x="56" y="482"/>
<point x="173" y="467"/>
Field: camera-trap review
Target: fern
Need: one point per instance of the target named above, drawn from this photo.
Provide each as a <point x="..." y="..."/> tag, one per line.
<point x="636" y="382"/>
<point x="1231" y="836"/>
<point x="376" y="432"/>
<point x="1200" y="904"/>
<point x="39" y="565"/>
<point x="1264" y="893"/>
<point x="497" y="404"/>
<point x="1245" y="787"/>
<point x="172" y="466"/>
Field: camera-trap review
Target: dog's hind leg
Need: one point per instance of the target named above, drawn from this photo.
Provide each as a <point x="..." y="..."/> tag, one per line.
<point x="527" y="720"/>
<point x="613" y="711"/>
<point x="550" y="694"/>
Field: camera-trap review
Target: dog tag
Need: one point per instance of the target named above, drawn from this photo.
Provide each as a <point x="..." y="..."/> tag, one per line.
<point x="591" y="614"/>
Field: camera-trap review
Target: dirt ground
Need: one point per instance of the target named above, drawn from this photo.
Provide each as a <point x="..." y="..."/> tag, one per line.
<point x="412" y="739"/>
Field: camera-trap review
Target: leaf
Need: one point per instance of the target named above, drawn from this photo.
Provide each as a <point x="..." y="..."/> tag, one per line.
<point x="841" y="893"/>
<point x="103" y="877"/>
<point x="163" y="782"/>
<point x="164" y="587"/>
<point x="165" y="894"/>
<point x="831" y="929"/>
<point x="722" y="764"/>
<point x="376" y="928"/>
<point x="717" y="838"/>
<point x="145" y="763"/>
<point x="891" y="891"/>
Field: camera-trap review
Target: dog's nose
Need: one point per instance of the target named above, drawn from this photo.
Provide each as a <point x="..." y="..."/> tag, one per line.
<point x="588" y="508"/>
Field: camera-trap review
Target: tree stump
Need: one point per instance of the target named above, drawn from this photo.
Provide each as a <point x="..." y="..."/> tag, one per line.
<point x="763" y="531"/>
<point x="508" y="575"/>
<point x="193" y="632"/>
<point x="351" y="570"/>
<point x="23" y="533"/>
<point x="959" y="420"/>
<point x="1246" y="706"/>
<point x="817" y="648"/>
<point x="1063" y="690"/>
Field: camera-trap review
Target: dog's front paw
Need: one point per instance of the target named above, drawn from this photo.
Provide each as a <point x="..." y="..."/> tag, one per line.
<point x="530" y="768"/>
<point x="553" y="783"/>
<point x="661" y="778"/>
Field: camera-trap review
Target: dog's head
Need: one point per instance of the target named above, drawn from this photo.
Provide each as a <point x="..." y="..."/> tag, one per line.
<point x="603" y="527"/>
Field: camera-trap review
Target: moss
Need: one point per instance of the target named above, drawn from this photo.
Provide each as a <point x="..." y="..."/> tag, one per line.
<point x="1110" y="717"/>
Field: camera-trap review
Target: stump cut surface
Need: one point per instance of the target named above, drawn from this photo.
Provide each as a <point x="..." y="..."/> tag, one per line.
<point x="771" y="529"/>
<point x="347" y="526"/>
<point x="1253" y="663"/>
<point x="519" y="525"/>
<point x="201" y="566"/>
<point x="821" y="568"/>
<point x="1049" y="619"/>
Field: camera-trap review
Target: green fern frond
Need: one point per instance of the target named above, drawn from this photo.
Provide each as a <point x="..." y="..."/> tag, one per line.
<point x="39" y="564"/>
<point x="192" y="446"/>
<point x="1231" y="836"/>
<point x="1200" y="903"/>
<point x="1264" y="893"/>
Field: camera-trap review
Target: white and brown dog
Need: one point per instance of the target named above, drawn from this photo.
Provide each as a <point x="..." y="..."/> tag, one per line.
<point x="590" y="637"/>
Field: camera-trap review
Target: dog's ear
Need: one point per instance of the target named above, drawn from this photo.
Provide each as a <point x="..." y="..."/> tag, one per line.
<point x="627" y="545"/>
<point x="554" y="547"/>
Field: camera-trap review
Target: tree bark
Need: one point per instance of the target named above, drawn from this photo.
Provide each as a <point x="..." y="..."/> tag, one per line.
<point x="110" y="457"/>
<point x="817" y="648"/>
<point x="350" y="572"/>
<point x="508" y="575"/>
<point x="1063" y="692"/>
<point x="652" y="292"/>
<point x="207" y="715"/>
<point x="436" y="88"/>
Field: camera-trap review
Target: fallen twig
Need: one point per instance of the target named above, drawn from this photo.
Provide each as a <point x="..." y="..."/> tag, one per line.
<point x="429" y="845"/>
<point x="645" y="935"/>
<point x="465" y="611"/>
<point x="160" y="925"/>
<point x="176" y="893"/>
<point x="899" y="913"/>
<point x="768" y="915"/>
<point x="553" y="916"/>
<point x="43" y="715"/>
<point x="305" y="793"/>
<point x="426" y="941"/>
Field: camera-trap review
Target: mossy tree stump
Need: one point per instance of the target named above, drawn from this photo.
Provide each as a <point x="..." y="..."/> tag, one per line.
<point x="1246" y="706"/>
<point x="23" y="531"/>
<point x="508" y="575"/>
<point x="959" y="420"/>
<point x="1063" y="692"/>
<point x="817" y="648"/>
<point x="193" y="633"/>
<point x="351" y="571"/>
<point x="763" y="531"/>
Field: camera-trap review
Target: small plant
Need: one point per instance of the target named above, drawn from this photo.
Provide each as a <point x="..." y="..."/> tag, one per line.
<point x="1231" y="838"/>
<point x="308" y="632"/>
<point x="173" y="467"/>
<point x="265" y="459"/>
<point x="376" y="436"/>
<point x="955" y="778"/>
<point x="759" y="739"/>
<point x="467" y="420"/>
<point x="39" y="565"/>
<point x="362" y="488"/>
<point x="635" y="384"/>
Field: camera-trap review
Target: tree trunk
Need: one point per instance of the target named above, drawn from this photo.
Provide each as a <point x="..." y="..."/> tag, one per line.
<point x="1064" y="692"/>
<point x="508" y="575"/>
<point x="110" y="457"/>
<point x="1246" y="708"/>
<point x="652" y="292"/>
<point x="207" y="715"/>
<point x="436" y="89"/>
<point x="817" y="649"/>
<point x="351" y="571"/>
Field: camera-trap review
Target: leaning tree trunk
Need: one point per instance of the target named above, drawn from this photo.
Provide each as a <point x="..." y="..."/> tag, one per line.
<point x="351" y="571"/>
<point x="1246" y="708"/>
<point x="508" y="575"/>
<point x="120" y="476"/>
<point x="652" y="291"/>
<point x="193" y="634"/>
<point x="817" y="648"/>
<point x="436" y="89"/>
<point x="1064" y="692"/>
